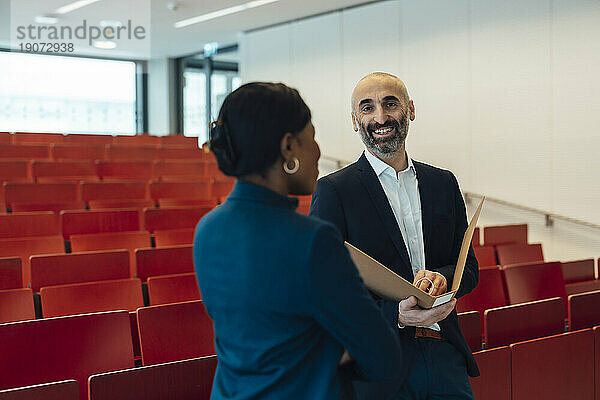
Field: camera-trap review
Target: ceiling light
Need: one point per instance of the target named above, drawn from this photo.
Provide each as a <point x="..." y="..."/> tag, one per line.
<point x="74" y="6"/>
<point x="104" y="44"/>
<point x="45" y="19"/>
<point x="223" y="12"/>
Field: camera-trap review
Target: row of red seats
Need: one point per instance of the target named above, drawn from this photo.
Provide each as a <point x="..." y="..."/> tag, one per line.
<point x="90" y="139"/>
<point x="501" y="234"/>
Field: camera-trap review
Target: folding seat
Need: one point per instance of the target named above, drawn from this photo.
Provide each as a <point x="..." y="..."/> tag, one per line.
<point x="489" y="293"/>
<point x="222" y="186"/>
<point x="74" y="171"/>
<point x="11" y="275"/>
<point x="43" y="196"/>
<point x="494" y="383"/>
<point x="175" y="332"/>
<point x="555" y="367"/>
<point x="74" y="347"/>
<point x="30" y="246"/>
<point x="180" y="153"/>
<point x="470" y="325"/>
<point x="476" y="241"/>
<point x="164" y="261"/>
<point x="5" y="138"/>
<point x="169" y="170"/>
<point x="175" y="288"/>
<point x="16" y="305"/>
<point x="61" y="390"/>
<point x="212" y="169"/>
<point x="187" y="379"/>
<point x="584" y="310"/>
<point x="534" y="281"/>
<point x="14" y="171"/>
<point x="173" y="218"/>
<point x="186" y="191"/>
<point x="137" y="140"/>
<point x="128" y="152"/>
<point x="174" y="237"/>
<point x="124" y="170"/>
<point x="99" y="221"/>
<point x="519" y="253"/>
<point x="77" y="152"/>
<point x="504" y="234"/>
<point x="486" y="256"/>
<point x="179" y="140"/>
<point x="102" y="195"/>
<point x="25" y="151"/>
<point x="28" y="224"/>
<point x="37" y="138"/>
<point x="511" y="324"/>
<point x="80" y="298"/>
<point x="78" y="267"/>
<point x="86" y="139"/>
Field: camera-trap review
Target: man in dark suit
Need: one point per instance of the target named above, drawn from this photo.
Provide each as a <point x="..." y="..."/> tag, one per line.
<point x="411" y="217"/>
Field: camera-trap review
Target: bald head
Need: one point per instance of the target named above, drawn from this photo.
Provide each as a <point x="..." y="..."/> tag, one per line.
<point x="377" y="83"/>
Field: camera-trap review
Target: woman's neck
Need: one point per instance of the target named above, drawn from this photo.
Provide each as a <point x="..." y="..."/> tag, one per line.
<point x="271" y="181"/>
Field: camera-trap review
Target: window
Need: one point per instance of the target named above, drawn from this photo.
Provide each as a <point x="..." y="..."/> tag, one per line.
<point x="66" y="94"/>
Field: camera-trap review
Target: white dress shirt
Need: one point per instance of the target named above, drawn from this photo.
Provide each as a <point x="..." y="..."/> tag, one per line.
<point x="402" y="192"/>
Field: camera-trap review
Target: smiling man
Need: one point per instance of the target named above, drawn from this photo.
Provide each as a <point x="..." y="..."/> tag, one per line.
<point x="411" y="217"/>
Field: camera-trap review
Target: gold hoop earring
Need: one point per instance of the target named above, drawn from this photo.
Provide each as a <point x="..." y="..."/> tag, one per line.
<point x="294" y="169"/>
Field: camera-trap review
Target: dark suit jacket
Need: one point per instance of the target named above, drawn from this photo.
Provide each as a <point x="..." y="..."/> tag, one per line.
<point x="354" y="201"/>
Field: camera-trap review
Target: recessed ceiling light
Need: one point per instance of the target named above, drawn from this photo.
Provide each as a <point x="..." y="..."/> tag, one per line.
<point x="221" y="13"/>
<point x="74" y="6"/>
<point x="45" y="19"/>
<point x="104" y="44"/>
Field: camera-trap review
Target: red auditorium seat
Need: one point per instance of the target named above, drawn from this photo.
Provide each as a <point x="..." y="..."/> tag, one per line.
<point x="124" y="170"/>
<point x="503" y="234"/>
<point x="88" y="139"/>
<point x="511" y="324"/>
<point x="25" y="151"/>
<point x="175" y="332"/>
<point x="303" y="204"/>
<point x="5" y="138"/>
<point x="175" y="288"/>
<point x="476" y="241"/>
<point x="179" y="140"/>
<point x="584" y="310"/>
<point x="582" y="287"/>
<point x="519" y="253"/>
<point x="99" y="221"/>
<point x="14" y="171"/>
<point x="494" y="383"/>
<point x="61" y="390"/>
<point x="131" y="194"/>
<point x="173" y="218"/>
<point x="486" y="256"/>
<point x="555" y="367"/>
<point x="578" y="271"/>
<point x="48" y="171"/>
<point x="470" y="325"/>
<point x="165" y="170"/>
<point x="164" y="261"/>
<point x="43" y="196"/>
<point x="187" y="379"/>
<point x="130" y="153"/>
<point x="11" y="275"/>
<point x="16" y="305"/>
<point x="534" y="281"/>
<point x="37" y="138"/>
<point x="489" y="293"/>
<point x="28" y="224"/>
<point x="137" y="140"/>
<point x="597" y="362"/>
<point x="78" y="268"/>
<point x="180" y="153"/>
<point x="73" y="347"/>
<point x="212" y="169"/>
<point x="197" y="190"/>
<point x="174" y="237"/>
<point x="78" y="152"/>
<point x="80" y="298"/>
<point x="30" y="246"/>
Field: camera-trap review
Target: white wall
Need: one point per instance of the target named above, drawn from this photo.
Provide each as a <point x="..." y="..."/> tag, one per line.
<point x="159" y="119"/>
<point x="506" y="94"/>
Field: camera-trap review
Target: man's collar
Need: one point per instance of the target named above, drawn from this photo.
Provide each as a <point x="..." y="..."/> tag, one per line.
<point x="379" y="166"/>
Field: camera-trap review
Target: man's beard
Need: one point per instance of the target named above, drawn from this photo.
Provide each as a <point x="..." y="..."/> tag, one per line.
<point x="386" y="146"/>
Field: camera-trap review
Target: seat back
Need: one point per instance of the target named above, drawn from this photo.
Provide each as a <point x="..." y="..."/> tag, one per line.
<point x="11" y="274"/>
<point x="584" y="310"/>
<point x="494" y="383"/>
<point x="511" y="324"/>
<point x="596" y="331"/>
<point x="79" y="298"/>
<point x="5" y="137"/>
<point x="129" y="152"/>
<point x="37" y="138"/>
<point x="74" y="347"/>
<point x="124" y="170"/>
<point x="172" y="168"/>
<point x="180" y="153"/>
<point x="63" y="170"/>
<point x="470" y="325"/>
<point x="78" y="267"/>
<point x="489" y="293"/>
<point x="476" y="240"/>
<point x="78" y="152"/>
<point x="21" y="196"/>
<point x="87" y="139"/>
<point x="578" y="271"/>
<point x="486" y="256"/>
<point x="199" y="189"/>
<point x="519" y="253"/>
<point x="503" y="234"/>
<point x="555" y="367"/>
<point x="164" y="261"/>
<point x="187" y="379"/>
<point x="99" y="221"/>
<point x="25" y="151"/>
<point x="28" y="224"/>
<point x="137" y="140"/>
<point x="61" y="390"/>
<point x="173" y="218"/>
<point x="165" y="289"/>
<point x="14" y="170"/>
<point x="30" y="246"/>
<point x="179" y="140"/>
<point x="113" y="190"/>
<point x="16" y="305"/>
<point x="174" y="237"/>
<point x="534" y="281"/>
<point x="175" y="332"/>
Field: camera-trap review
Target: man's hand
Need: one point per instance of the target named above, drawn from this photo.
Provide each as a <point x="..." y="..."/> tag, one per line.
<point x="410" y="314"/>
<point x="426" y="278"/>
